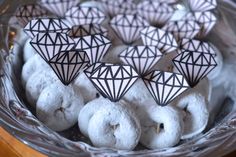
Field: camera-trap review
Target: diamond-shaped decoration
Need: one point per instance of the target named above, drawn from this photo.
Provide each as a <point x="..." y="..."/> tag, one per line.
<point x="85" y="30"/>
<point x="36" y="26"/>
<point x="207" y="21"/>
<point x="155" y="12"/>
<point x="83" y="15"/>
<point x="141" y="58"/>
<point x="115" y="7"/>
<point x="93" y="67"/>
<point x="67" y="65"/>
<point x="183" y="28"/>
<point x="128" y="27"/>
<point x="25" y="13"/>
<point x="96" y="46"/>
<point x="165" y="86"/>
<point x="202" y="5"/>
<point x="194" y="45"/>
<point x="113" y="81"/>
<point x="59" y="7"/>
<point x="194" y="65"/>
<point x="50" y="44"/>
<point x="164" y="40"/>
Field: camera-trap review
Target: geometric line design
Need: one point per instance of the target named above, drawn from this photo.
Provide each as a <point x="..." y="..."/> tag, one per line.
<point x="68" y="64"/>
<point x="202" y="5"/>
<point x="128" y="27"/>
<point x="155" y="12"/>
<point x="40" y="25"/>
<point x="194" y="66"/>
<point x="164" y="40"/>
<point x="25" y="13"/>
<point x="58" y="7"/>
<point x="96" y="46"/>
<point x="141" y="58"/>
<point x="83" y="15"/>
<point x="165" y="86"/>
<point x="113" y="81"/>
<point x="47" y="45"/>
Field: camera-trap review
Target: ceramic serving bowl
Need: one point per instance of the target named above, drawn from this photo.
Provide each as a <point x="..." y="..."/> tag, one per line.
<point x="18" y="118"/>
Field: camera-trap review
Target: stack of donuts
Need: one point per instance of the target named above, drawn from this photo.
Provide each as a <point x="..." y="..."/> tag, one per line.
<point x="135" y="118"/>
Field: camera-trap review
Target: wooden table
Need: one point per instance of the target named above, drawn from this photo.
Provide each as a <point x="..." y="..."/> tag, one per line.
<point x="11" y="147"/>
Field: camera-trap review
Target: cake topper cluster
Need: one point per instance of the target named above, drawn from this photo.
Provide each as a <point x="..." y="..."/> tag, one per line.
<point x="73" y="37"/>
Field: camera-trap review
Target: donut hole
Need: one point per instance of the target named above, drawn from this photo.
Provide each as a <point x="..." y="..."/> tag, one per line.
<point x="114" y="126"/>
<point x="97" y="95"/>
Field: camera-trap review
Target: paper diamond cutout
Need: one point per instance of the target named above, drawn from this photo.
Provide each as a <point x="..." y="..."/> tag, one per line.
<point x="67" y="65"/>
<point x="85" y="30"/>
<point x="194" y="66"/>
<point x="196" y="46"/>
<point x="202" y="5"/>
<point x="164" y="40"/>
<point x="83" y="15"/>
<point x="207" y="21"/>
<point x="25" y="13"/>
<point x="59" y="7"/>
<point x="50" y="44"/>
<point x="141" y="58"/>
<point x="96" y="46"/>
<point x="92" y="68"/>
<point x="128" y="27"/>
<point x="165" y="86"/>
<point x="184" y="28"/>
<point x="155" y="12"/>
<point x="36" y="26"/>
<point x="115" y="7"/>
<point x="113" y="81"/>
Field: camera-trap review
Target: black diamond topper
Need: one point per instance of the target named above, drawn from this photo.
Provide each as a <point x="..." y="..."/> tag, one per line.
<point x="85" y="30"/>
<point x="155" y="12"/>
<point x="165" y="86"/>
<point x="186" y="27"/>
<point x="83" y="15"/>
<point x="58" y="7"/>
<point x="50" y="44"/>
<point x="164" y="40"/>
<point x="113" y="81"/>
<point x="128" y="27"/>
<point x="207" y="21"/>
<point x="194" y="45"/>
<point x="25" y="13"/>
<point x="36" y="26"/>
<point x="194" y="65"/>
<point x="202" y="5"/>
<point x="67" y="65"/>
<point x="115" y="7"/>
<point x="96" y="46"/>
<point x="141" y="58"/>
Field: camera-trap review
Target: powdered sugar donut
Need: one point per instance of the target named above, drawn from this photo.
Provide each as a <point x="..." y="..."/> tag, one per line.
<point x="195" y="111"/>
<point x="87" y="112"/>
<point x="37" y="82"/>
<point x="161" y="126"/>
<point x="28" y="50"/>
<point x="88" y="91"/>
<point x="58" y="106"/>
<point x="32" y="65"/>
<point x="114" y="126"/>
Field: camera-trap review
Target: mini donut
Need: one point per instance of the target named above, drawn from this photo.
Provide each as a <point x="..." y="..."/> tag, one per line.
<point x="137" y="94"/>
<point x="195" y="113"/>
<point x="112" y="55"/>
<point x="37" y="82"/>
<point x="88" y="91"/>
<point x="58" y="106"/>
<point x="32" y="65"/>
<point x="161" y="126"/>
<point x="114" y="126"/>
<point x="28" y="50"/>
<point x="87" y="112"/>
